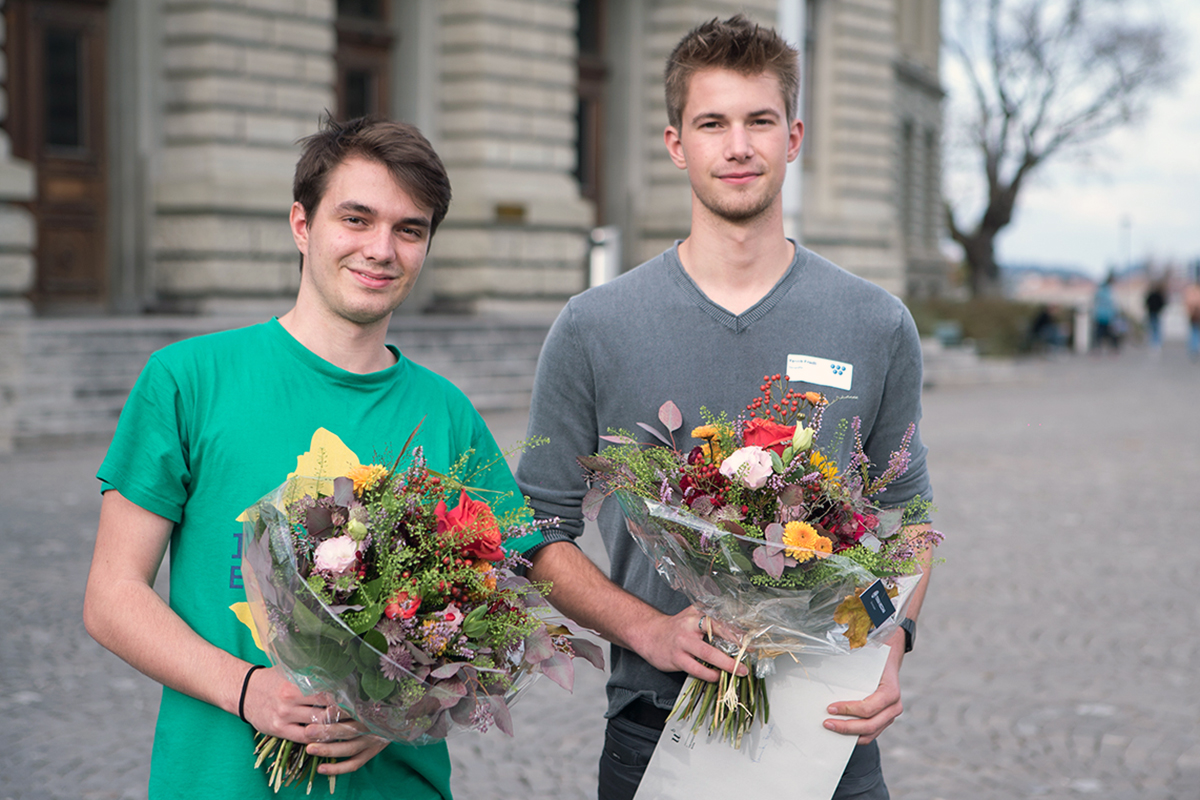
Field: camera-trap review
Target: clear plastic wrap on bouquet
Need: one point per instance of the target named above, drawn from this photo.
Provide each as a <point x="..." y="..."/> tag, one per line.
<point x="715" y="569"/>
<point x="420" y="701"/>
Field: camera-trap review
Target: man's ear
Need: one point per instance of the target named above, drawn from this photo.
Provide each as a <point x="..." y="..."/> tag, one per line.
<point x="298" y="221"/>
<point x="795" y="138"/>
<point x="674" y="146"/>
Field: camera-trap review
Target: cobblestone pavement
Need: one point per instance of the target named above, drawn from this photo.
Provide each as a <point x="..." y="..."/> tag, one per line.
<point x="1055" y="658"/>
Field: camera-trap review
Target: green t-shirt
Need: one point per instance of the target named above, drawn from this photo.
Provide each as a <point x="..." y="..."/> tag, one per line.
<point x="215" y="423"/>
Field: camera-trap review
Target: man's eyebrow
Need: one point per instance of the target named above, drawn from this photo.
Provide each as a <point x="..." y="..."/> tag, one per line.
<point x="716" y="116"/>
<point x="355" y="207"/>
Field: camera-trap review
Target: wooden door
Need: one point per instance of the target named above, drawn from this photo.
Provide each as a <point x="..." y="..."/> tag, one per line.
<point x="56" y="54"/>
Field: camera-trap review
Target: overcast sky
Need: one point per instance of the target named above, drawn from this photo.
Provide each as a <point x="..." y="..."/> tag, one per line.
<point x="1138" y="198"/>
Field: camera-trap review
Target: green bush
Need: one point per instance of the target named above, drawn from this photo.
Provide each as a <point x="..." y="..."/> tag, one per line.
<point x="996" y="326"/>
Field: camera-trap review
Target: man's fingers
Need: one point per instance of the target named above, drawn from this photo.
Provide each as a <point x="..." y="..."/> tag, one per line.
<point x="352" y="754"/>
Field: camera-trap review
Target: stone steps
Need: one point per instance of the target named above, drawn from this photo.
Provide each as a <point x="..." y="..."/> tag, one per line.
<point x="64" y="381"/>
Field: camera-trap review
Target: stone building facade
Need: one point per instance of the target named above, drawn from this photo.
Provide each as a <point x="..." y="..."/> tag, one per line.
<point x="147" y="148"/>
<point x="549" y="114"/>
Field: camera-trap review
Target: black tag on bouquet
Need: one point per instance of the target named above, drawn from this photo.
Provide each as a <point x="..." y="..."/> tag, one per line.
<point x="879" y="606"/>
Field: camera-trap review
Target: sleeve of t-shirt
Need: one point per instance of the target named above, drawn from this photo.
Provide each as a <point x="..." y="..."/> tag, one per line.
<point x="147" y="461"/>
<point x="562" y="409"/>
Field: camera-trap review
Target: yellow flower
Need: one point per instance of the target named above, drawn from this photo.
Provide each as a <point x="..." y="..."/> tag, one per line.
<point x="712" y="448"/>
<point x="823" y="465"/>
<point x="801" y="539"/>
<point x="365" y="476"/>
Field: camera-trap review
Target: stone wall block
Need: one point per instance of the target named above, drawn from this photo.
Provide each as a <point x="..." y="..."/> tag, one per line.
<point x="17" y="229"/>
<point x="276" y="64"/>
<point x="560" y="15"/>
<point x="220" y="23"/>
<point x="204" y="125"/>
<point x="226" y="91"/>
<point x="16" y="273"/>
<point x="293" y="34"/>
<point x="259" y="276"/>
<point x="303" y="101"/>
<point x="185" y="57"/>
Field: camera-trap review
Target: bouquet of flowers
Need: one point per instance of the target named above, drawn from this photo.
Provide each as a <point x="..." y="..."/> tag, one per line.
<point x="367" y="585"/>
<point x="780" y="547"/>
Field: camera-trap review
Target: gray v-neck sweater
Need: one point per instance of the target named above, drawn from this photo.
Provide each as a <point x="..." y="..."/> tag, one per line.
<point x="619" y="351"/>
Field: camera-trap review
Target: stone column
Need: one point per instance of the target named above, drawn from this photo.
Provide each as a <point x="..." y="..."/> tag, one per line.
<point x="850" y="165"/>
<point x="516" y="236"/>
<point x="244" y="79"/>
<point x="17" y="230"/>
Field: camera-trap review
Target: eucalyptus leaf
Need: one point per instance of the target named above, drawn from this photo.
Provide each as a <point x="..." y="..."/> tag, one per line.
<point x="654" y="433"/>
<point x="670" y="416"/>
<point x="343" y="491"/>
<point x="776" y="462"/>
<point x="592" y="501"/>
<point x="559" y="669"/>
<point x="596" y="464"/>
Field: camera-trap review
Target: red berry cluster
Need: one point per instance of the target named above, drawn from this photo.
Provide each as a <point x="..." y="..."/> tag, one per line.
<point x="704" y="480"/>
<point x="785" y="408"/>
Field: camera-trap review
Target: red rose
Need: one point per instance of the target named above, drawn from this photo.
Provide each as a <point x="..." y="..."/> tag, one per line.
<point x="768" y="435"/>
<point x="474" y="525"/>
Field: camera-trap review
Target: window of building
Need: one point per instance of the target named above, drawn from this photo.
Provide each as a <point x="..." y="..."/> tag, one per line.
<point x="364" y="44"/>
<point x="589" y="115"/>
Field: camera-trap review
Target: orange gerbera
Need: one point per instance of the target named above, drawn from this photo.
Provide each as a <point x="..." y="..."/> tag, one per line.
<point x="365" y="476"/>
<point x="803" y="542"/>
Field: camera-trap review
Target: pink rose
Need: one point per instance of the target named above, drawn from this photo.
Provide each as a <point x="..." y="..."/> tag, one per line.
<point x="336" y="555"/>
<point x="750" y="465"/>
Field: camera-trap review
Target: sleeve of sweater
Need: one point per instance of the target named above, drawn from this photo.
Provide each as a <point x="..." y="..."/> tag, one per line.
<point x="562" y="409"/>
<point x="899" y="407"/>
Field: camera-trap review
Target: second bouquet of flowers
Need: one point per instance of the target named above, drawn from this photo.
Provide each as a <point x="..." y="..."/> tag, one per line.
<point x="783" y="549"/>
<point x="390" y="589"/>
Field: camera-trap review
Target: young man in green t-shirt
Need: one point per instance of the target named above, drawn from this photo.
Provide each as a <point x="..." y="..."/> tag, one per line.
<point x="216" y="422"/>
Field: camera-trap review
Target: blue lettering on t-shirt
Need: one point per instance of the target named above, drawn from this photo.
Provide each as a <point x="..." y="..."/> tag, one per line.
<point x="235" y="572"/>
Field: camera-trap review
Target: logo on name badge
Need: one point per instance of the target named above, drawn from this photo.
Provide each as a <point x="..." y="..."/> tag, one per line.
<point x="820" y="371"/>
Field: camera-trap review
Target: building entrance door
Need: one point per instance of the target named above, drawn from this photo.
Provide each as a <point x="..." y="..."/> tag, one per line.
<point x="57" y="122"/>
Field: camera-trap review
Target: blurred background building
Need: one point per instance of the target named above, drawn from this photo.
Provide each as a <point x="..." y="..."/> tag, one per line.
<point x="148" y="148"/>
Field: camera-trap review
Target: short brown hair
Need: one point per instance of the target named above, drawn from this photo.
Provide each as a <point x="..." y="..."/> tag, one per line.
<point x="736" y="44"/>
<point x="396" y="145"/>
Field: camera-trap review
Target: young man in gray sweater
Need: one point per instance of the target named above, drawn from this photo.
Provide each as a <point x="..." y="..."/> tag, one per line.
<point x="700" y="325"/>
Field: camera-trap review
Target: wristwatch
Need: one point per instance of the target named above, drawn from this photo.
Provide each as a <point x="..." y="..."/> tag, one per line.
<point x="910" y="633"/>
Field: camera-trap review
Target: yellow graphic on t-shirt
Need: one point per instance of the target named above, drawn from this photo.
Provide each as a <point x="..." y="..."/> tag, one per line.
<point x="242" y="611"/>
<point x="327" y="458"/>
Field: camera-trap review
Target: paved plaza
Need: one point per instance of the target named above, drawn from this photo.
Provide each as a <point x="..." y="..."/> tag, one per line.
<point x="1056" y="656"/>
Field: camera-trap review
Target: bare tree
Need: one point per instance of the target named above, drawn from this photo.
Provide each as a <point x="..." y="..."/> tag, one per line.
<point x="1045" y="78"/>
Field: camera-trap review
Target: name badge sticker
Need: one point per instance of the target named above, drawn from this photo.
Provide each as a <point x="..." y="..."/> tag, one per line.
<point x="820" y="371"/>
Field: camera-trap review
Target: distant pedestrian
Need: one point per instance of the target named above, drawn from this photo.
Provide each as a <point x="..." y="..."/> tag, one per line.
<point x="1191" y="301"/>
<point x="1106" y="315"/>
<point x="1045" y="331"/>
<point x="1156" y="301"/>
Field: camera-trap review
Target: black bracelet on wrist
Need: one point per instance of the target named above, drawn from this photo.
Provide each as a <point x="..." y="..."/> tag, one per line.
<point x="245" y="686"/>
